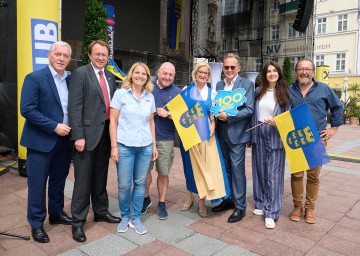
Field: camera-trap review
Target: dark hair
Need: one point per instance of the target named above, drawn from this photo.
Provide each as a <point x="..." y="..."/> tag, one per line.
<point x="305" y="59"/>
<point x="282" y="94"/>
<point x="101" y="42"/>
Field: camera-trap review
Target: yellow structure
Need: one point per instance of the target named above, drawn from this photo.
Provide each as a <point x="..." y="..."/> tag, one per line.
<point x="38" y="26"/>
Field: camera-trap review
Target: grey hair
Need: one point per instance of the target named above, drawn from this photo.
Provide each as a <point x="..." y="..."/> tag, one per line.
<point x="59" y="43"/>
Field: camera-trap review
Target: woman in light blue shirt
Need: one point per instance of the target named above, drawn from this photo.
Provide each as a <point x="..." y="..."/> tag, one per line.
<point x="132" y="133"/>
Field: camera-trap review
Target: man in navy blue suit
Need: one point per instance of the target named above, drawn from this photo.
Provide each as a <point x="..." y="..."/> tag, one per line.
<point x="233" y="138"/>
<point x="44" y="100"/>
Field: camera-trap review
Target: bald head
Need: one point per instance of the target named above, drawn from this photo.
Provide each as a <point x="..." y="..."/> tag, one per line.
<point x="166" y="74"/>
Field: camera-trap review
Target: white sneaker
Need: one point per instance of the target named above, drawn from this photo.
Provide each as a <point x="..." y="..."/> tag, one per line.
<point x="258" y="212"/>
<point x="123" y="225"/>
<point x="138" y="226"/>
<point x="269" y="223"/>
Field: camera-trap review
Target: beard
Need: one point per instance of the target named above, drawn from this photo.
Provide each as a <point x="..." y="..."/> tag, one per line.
<point x="304" y="80"/>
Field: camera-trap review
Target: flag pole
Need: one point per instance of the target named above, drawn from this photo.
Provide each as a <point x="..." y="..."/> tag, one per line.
<point x="254" y="127"/>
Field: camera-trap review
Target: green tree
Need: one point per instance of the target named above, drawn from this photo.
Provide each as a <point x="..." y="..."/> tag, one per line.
<point x="287" y="71"/>
<point x="95" y="26"/>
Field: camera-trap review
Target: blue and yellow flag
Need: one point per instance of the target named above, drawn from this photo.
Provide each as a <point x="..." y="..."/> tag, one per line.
<point x="113" y="68"/>
<point x="190" y="116"/>
<point x="303" y="146"/>
<point x="175" y="23"/>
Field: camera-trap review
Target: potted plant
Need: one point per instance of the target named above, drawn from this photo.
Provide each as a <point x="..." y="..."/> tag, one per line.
<point x="354" y="114"/>
<point x="350" y="102"/>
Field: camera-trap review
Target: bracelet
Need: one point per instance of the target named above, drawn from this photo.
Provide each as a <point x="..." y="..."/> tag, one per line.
<point x="154" y="142"/>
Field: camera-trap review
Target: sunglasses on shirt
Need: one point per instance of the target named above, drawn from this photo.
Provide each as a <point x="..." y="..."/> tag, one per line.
<point x="229" y="67"/>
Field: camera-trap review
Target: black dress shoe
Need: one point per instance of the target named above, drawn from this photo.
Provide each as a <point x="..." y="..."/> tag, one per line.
<point x="107" y="218"/>
<point x="78" y="234"/>
<point x="237" y="215"/>
<point x="62" y="218"/>
<point x="223" y="206"/>
<point x="40" y="235"/>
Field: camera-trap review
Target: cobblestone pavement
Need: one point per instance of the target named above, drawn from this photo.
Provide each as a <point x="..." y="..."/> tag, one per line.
<point x="186" y="233"/>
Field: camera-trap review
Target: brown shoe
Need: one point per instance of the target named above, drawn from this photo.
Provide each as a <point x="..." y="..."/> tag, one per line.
<point x="310" y="216"/>
<point x="296" y="214"/>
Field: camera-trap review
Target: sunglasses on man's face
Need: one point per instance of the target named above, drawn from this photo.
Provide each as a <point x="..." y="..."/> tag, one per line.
<point x="229" y="67"/>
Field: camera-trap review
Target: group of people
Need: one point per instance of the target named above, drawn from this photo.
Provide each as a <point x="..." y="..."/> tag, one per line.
<point x="86" y="117"/>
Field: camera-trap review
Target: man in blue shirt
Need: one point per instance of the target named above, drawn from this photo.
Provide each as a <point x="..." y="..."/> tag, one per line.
<point x="164" y="91"/>
<point x="320" y="98"/>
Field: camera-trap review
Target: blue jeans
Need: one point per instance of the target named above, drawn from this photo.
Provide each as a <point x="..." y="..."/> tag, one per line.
<point x="132" y="167"/>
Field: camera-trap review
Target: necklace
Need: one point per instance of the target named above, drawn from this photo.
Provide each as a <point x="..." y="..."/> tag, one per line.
<point x="271" y="90"/>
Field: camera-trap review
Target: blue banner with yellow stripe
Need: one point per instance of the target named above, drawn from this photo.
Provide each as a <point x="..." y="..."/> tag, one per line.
<point x="301" y="139"/>
<point x="190" y="117"/>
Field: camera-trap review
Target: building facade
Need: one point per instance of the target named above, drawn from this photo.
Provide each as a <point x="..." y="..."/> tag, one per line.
<point x="337" y="36"/>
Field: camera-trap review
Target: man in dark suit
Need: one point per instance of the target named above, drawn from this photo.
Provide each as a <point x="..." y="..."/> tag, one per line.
<point x="233" y="138"/>
<point x="90" y="92"/>
<point x="44" y="100"/>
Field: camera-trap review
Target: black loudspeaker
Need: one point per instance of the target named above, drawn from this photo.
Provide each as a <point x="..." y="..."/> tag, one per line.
<point x="303" y="15"/>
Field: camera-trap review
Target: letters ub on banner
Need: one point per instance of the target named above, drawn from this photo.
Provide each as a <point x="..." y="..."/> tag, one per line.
<point x="37" y="28"/>
<point x="301" y="139"/>
<point x="190" y="117"/>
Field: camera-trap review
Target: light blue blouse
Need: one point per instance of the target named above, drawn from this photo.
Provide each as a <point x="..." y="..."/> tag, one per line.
<point x="134" y="120"/>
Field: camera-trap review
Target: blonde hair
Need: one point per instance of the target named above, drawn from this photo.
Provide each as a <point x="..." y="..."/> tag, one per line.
<point x="232" y="55"/>
<point x="128" y="81"/>
<point x="197" y="67"/>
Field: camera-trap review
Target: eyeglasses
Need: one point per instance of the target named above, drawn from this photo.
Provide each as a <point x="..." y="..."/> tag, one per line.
<point x="229" y="67"/>
<point x="307" y="70"/>
<point x="203" y="73"/>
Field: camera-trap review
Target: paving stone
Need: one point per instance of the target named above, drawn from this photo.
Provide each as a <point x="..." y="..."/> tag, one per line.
<point x="201" y="245"/>
<point x="339" y="245"/>
<point x="73" y="252"/>
<point x="318" y="251"/>
<point x="206" y="229"/>
<point x="269" y="247"/>
<point x="350" y="223"/>
<point x="29" y="249"/>
<point x="291" y="240"/>
<point x="172" y="230"/>
<point x="109" y="245"/>
<point x="152" y="248"/>
<point x="234" y="250"/>
<point x="347" y="234"/>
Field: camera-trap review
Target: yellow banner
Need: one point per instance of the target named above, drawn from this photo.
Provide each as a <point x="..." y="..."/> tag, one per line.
<point x="38" y="26"/>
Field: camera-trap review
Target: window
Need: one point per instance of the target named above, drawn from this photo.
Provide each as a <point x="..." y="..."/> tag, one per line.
<point x="319" y="60"/>
<point x="291" y="31"/>
<point x="340" y="62"/>
<point x="302" y="34"/>
<point x="342" y="22"/>
<point x="275" y="32"/>
<point x="224" y="45"/>
<point x="275" y="4"/>
<point x="236" y="44"/>
<point x="258" y="65"/>
<point x="294" y="60"/>
<point x="321" y="26"/>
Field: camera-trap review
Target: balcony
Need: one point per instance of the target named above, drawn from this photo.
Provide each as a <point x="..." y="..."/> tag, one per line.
<point x="289" y="7"/>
